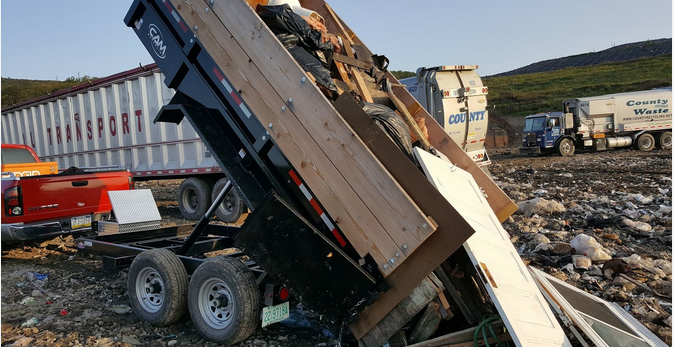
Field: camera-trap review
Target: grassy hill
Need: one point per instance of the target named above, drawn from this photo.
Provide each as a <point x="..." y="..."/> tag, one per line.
<point x="509" y="96"/>
<point x="18" y="90"/>
<point x="522" y="95"/>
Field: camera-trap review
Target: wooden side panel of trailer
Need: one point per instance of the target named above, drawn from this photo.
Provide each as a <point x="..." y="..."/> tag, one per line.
<point x="368" y="205"/>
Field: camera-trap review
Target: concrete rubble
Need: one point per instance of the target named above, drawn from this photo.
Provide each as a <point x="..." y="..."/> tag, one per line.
<point x="620" y="201"/>
<point x="605" y="230"/>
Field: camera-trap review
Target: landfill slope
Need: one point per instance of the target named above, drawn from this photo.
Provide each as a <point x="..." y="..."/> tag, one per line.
<point x="594" y="194"/>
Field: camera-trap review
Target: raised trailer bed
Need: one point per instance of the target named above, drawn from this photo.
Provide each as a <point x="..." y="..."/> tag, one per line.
<point x="339" y="215"/>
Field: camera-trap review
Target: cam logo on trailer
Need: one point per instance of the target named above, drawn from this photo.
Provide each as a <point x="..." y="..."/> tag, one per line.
<point x="157" y="41"/>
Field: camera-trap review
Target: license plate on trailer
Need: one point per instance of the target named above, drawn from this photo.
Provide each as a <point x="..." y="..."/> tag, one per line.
<point x="80" y="222"/>
<point x="275" y="314"/>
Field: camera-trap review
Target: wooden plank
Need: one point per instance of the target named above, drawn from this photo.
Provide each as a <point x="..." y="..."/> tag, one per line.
<point x="412" y="304"/>
<point x="347" y="47"/>
<point x="360" y="83"/>
<point x="462" y="336"/>
<point x="427" y="324"/>
<point x="500" y="203"/>
<point x="379" y="215"/>
<point x="342" y="72"/>
<point x="255" y="3"/>
<point x="449" y="285"/>
<point x="452" y="230"/>
<point x="338" y="23"/>
<point x="351" y="61"/>
<point x="411" y="123"/>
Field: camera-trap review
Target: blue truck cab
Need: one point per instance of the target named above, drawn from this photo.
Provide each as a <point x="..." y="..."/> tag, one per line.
<point x="547" y="132"/>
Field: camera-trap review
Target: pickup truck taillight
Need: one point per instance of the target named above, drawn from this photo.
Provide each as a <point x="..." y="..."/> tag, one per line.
<point x="13" y="203"/>
<point x="132" y="184"/>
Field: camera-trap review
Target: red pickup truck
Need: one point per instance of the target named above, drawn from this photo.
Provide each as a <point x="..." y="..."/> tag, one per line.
<point x="46" y="205"/>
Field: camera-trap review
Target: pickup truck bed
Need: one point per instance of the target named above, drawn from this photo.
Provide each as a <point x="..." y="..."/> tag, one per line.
<point x="46" y="205"/>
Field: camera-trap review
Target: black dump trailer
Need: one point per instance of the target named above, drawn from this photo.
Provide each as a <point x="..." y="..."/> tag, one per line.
<point x="286" y="232"/>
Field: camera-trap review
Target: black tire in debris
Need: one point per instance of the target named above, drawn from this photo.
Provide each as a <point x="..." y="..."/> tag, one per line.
<point x="194" y="198"/>
<point x="664" y="140"/>
<point x="157" y="287"/>
<point x="566" y="148"/>
<point x="224" y="300"/>
<point x="232" y="207"/>
<point x="645" y="142"/>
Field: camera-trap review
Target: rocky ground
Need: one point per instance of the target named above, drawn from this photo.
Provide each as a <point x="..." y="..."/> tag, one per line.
<point x="621" y="200"/>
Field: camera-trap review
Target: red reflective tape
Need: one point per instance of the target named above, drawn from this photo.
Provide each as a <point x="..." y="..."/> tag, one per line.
<point x="183" y="25"/>
<point x="473" y="141"/>
<point x="236" y="98"/>
<point x="293" y="175"/>
<point x="339" y="237"/>
<point x="316" y="207"/>
<point x="217" y="74"/>
<point x="168" y="5"/>
<point x="481" y="140"/>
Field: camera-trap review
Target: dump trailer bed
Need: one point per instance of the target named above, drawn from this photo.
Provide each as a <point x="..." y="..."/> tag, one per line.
<point x="330" y="197"/>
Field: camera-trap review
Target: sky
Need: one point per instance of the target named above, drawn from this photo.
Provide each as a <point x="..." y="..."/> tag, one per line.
<point x="57" y="39"/>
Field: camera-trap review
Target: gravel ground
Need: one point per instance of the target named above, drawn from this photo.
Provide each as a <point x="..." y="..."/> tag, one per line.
<point x="51" y="296"/>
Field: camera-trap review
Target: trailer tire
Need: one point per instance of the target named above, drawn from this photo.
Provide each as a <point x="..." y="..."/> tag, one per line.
<point x="664" y="140"/>
<point x="194" y="198"/>
<point x="645" y="142"/>
<point x="157" y="287"/>
<point x="224" y="300"/>
<point x="566" y="148"/>
<point x="232" y="207"/>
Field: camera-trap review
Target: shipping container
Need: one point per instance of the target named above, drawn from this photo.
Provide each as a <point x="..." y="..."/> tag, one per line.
<point x="110" y="122"/>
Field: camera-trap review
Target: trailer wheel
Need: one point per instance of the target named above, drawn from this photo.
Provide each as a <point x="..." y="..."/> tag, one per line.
<point x="566" y="148"/>
<point x="664" y="140"/>
<point x="232" y="207"/>
<point x="158" y="287"/>
<point x="194" y="198"/>
<point x="645" y="142"/>
<point x="224" y="300"/>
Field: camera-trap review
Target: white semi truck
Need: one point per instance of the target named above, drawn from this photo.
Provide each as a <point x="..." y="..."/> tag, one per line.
<point x="110" y="122"/>
<point x="641" y="119"/>
<point x="456" y="97"/>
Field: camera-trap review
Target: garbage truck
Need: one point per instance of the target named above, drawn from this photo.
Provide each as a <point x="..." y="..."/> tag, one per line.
<point x="641" y="119"/>
<point x="456" y="98"/>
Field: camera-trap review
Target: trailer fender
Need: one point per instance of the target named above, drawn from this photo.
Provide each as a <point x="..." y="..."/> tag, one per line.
<point x="636" y="135"/>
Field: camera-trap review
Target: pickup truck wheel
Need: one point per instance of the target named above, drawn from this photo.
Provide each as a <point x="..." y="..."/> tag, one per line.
<point x="194" y="198"/>
<point x="566" y="148"/>
<point x="158" y="287"/>
<point x="224" y="300"/>
<point x="232" y="207"/>
<point x="645" y="142"/>
<point x="664" y="140"/>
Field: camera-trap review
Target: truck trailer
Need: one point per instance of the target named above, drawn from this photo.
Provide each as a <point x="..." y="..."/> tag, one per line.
<point x="456" y="98"/>
<point x="109" y="122"/>
<point x="640" y="119"/>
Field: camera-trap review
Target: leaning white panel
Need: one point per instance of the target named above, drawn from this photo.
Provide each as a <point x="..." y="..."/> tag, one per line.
<point x="518" y="300"/>
<point x="605" y="323"/>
